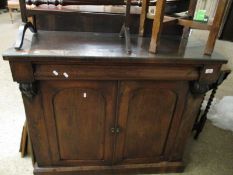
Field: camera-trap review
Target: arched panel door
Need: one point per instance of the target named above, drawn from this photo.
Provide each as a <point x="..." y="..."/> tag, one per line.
<point x="80" y="116"/>
<point x="148" y="112"/>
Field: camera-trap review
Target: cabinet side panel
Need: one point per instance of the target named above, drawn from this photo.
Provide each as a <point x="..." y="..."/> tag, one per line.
<point x="190" y="114"/>
<point x="22" y="72"/>
<point x="37" y="130"/>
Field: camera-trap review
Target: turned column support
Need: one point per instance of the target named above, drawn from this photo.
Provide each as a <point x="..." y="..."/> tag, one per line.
<point x="202" y="88"/>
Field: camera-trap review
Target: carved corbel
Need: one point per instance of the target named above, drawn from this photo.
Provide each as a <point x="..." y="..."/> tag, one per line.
<point x="28" y="89"/>
<point x="198" y="88"/>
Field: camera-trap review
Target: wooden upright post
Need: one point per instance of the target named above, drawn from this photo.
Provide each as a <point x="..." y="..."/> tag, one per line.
<point x="216" y="26"/>
<point x="157" y="25"/>
<point x="23" y="10"/>
<point x="143" y="16"/>
<point x="186" y="30"/>
<point x="192" y="8"/>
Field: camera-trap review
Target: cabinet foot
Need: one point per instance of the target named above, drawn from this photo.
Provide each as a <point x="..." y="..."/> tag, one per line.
<point x="150" y="168"/>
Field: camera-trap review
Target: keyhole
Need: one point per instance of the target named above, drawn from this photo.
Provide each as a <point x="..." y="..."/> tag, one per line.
<point x="84" y="95"/>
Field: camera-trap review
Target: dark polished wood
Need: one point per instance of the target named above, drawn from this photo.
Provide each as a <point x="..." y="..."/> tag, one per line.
<point x="146" y="109"/>
<point x="93" y="109"/>
<point x="93" y="48"/>
<point x="124" y="33"/>
<point x="162" y="167"/>
<point x="85" y="2"/>
<point x="23" y="11"/>
<point x="80" y="116"/>
<point x="175" y="5"/>
<point x="75" y="2"/>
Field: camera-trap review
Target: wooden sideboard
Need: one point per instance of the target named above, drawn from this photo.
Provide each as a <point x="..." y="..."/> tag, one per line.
<point x="93" y="109"/>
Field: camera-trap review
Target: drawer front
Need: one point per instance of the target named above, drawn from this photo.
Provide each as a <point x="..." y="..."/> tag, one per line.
<point x="84" y="72"/>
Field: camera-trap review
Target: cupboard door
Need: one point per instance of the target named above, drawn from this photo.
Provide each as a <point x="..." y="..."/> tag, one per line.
<point x="147" y="111"/>
<point x="79" y="118"/>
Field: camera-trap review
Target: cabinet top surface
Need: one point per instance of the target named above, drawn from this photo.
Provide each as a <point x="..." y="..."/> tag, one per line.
<point x="94" y="47"/>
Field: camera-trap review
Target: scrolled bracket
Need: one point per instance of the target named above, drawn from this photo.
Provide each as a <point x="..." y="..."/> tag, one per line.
<point x="28" y="89"/>
<point x="22" y="30"/>
<point x="198" y="88"/>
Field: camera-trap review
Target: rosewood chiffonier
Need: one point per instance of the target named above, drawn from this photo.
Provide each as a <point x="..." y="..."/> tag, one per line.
<point x="92" y="108"/>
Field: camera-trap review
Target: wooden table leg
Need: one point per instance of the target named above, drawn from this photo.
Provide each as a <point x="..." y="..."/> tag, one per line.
<point x="23" y="10"/>
<point x="192" y="8"/>
<point x="11" y="15"/>
<point x="125" y="31"/>
<point x="144" y="11"/>
<point x="157" y="25"/>
<point x="186" y="30"/>
<point x="216" y="26"/>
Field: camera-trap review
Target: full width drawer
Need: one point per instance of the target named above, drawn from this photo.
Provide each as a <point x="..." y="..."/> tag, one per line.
<point x="45" y="72"/>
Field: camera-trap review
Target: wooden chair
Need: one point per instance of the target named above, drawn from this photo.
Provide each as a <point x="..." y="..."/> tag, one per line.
<point x="13" y="4"/>
<point x="188" y="23"/>
<point x="125" y="32"/>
